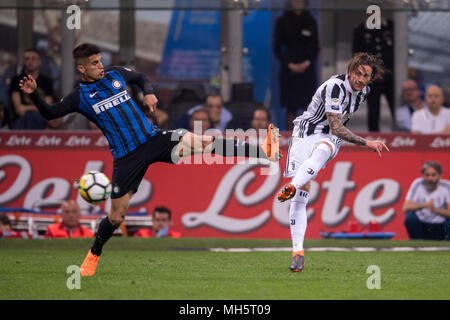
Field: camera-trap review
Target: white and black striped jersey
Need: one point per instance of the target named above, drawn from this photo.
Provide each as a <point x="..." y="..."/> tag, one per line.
<point x="334" y="95"/>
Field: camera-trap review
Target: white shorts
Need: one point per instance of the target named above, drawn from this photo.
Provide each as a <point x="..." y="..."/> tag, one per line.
<point x="301" y="149"/>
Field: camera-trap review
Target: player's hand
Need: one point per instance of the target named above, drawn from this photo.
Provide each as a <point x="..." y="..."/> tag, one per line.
<point x="376" y="145"/>
<point x="150" y="101"/>
<point x="28" y="84"/>
<point x="295" y="67"/>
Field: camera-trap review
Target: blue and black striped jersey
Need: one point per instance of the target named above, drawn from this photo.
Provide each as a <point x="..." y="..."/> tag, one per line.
<point x="108" y="104"/>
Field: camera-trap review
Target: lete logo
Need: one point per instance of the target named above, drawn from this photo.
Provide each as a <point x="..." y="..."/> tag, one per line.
<point x="238" y="178"/>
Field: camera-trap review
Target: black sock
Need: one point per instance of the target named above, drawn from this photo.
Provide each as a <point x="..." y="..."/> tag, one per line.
<point x="104" y="232"/>
<point x="234" y="148"/>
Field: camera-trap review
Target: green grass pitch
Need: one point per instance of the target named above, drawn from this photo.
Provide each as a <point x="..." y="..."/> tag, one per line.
<point x="179" y="269"/>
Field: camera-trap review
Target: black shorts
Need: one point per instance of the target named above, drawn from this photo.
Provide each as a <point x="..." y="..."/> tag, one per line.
<point x="130" y="169"/>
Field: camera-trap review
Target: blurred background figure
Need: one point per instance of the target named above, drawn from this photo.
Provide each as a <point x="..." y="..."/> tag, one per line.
<point x="260" y="119"/>
<point x="427" y="205"/>
<point x="379" y="42"/>
<point x="70" y="226"/>
<point x="411" y="97"/>
<point x="25" y="114"/>
<point x="218" y="114"/>
<point x="200" y="117"/>
<point x="6" y="230"/>
<point x="435" y="118"/>
<point x="296" y="45"/>
<point x="162" y="219"/>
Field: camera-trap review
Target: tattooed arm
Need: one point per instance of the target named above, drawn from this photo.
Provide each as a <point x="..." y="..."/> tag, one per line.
<point x="338" y="129"/>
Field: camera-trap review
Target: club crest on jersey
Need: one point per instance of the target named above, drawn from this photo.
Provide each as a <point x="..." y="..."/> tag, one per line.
<point x="116" y="84"/>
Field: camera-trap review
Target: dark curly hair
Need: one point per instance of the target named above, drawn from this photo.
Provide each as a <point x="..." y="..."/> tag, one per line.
<point x="367" y="59"/>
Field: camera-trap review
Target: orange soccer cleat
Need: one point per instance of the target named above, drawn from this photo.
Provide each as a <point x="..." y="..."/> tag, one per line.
<point x="271" y="145"/>
<point x="298" y="262"/>
<point x="286" y="193"/>
<point x="89" y="265"/>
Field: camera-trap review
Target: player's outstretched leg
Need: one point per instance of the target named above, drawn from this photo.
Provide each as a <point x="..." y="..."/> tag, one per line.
<point x="106" y="228"/>
<point x="269" y="149"/>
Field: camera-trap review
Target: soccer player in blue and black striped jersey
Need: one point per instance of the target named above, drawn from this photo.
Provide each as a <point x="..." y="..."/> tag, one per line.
<point x="135" y="142"/>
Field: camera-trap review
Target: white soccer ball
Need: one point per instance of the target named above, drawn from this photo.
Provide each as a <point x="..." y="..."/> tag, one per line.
<point x="94" y="187"/>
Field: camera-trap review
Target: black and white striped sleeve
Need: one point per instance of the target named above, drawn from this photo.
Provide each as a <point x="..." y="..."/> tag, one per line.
<point x="334" y="98"/>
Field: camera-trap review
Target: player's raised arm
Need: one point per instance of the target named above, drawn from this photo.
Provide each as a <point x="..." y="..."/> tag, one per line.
<point x="67" y="105"/>
<point x="139" y="78"/>
<point x="338" y="129"/>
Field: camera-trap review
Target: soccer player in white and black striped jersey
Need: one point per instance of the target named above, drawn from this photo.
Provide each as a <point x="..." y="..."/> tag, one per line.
<point x="318" y="134"/>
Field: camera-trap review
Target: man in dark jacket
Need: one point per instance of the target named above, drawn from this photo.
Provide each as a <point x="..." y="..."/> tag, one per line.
<point x="296" y="45"/>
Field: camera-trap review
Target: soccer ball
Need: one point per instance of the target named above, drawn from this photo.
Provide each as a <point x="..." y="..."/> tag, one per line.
<point x="94" y="187"/>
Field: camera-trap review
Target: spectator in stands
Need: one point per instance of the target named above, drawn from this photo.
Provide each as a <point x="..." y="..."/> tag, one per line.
<point x="6" y="231"/>
<point x="3" y="119"/>
<point x="379" y="42"/>
<point x="70" y="226"/>
<point x="296" y="46"/>
<point x="26" y="114"/>
<point x="218" y="114"/>
<point x="433" y="119"/>
<point x="162" y="219"/>
<point x="427" y="205"/>
<point x="200" y="115"/>
<point x="260" y="119"/>
<point x="411" y="97"/>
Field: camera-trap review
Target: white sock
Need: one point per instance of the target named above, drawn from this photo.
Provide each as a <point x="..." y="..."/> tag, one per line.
<point x="298" y="219"/>
<point x="309" y="169"/>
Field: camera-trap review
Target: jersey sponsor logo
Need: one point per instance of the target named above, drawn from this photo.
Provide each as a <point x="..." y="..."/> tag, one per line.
<point x="111" y="102"/>
<point x="310" y="171"/>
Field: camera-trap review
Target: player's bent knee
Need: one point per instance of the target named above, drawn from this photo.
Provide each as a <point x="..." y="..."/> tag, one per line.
<point x="116" y="221"/>
<point x="326" y="147"/>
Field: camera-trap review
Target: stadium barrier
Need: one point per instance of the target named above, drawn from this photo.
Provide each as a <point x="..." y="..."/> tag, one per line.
<point x="37" y="169"/>
<point x="36" y="222"/>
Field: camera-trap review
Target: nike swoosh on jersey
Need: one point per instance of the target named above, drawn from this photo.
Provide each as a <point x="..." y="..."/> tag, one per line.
<point x="93" y="94"/>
